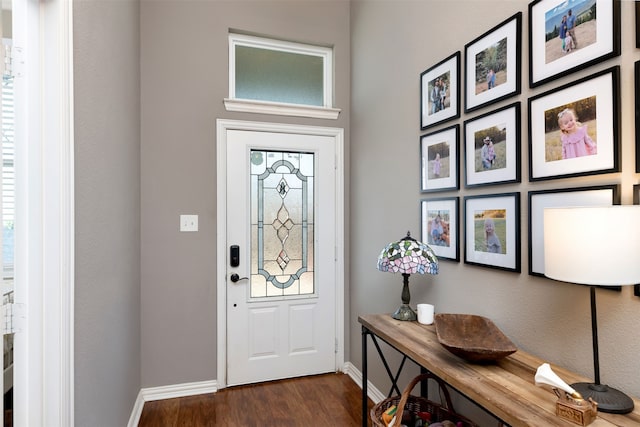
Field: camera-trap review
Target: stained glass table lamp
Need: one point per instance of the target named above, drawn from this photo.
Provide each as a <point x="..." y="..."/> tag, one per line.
<point x="407" y="256"/>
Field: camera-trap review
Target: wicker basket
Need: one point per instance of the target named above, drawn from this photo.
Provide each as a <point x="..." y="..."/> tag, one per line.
<point x="415" y="404"/>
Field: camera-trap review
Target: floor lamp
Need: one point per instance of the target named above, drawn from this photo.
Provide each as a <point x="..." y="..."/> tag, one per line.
<point x="595" y="246"/>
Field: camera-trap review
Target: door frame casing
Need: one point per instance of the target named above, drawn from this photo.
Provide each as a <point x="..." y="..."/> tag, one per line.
<point x="223" y="126"/>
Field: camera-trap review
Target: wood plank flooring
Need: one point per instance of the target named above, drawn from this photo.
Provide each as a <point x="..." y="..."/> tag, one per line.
<point x="320" y="400"/>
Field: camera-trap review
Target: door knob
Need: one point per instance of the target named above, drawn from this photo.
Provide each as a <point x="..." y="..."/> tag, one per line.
<point x="235" y="277"/>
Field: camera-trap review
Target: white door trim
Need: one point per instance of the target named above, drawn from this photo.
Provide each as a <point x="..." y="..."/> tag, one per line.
<point x="43" y="384"/>
<point x="221" y="166"/>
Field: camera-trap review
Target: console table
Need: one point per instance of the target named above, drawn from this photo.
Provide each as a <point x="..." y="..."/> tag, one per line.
<point x="505" y="389"/>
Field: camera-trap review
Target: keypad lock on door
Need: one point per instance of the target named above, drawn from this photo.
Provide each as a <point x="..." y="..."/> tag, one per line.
<point x="234" y="255"/>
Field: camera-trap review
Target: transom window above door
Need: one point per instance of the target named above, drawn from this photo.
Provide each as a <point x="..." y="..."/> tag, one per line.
<point x="277" y="77"/>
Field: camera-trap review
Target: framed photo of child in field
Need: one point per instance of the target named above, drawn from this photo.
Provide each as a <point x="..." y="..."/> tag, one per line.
<point x="569" y="35"/>
<point x="492" y="147"/>
<point x="440" y="160"/>
<point x="439" y="223"/>
<point x="492" y="231"/>
<point x="440" y="93"/>
<point x="492" y="64"/>
<point x="573" y="130"/>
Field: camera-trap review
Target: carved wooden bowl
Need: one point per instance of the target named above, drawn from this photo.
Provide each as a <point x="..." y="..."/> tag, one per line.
<point x="473" y="338"/>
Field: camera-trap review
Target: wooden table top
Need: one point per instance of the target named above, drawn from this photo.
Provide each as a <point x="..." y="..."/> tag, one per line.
<point x="506" y="389"/>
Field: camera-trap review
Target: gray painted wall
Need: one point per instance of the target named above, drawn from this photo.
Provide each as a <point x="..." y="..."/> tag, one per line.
<point x="107" y="205"/>
<point x="392" y="43"/>
<point x="184" y="69"/>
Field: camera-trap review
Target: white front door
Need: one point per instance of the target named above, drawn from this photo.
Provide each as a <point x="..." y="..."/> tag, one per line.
<point x="281" y="275"/>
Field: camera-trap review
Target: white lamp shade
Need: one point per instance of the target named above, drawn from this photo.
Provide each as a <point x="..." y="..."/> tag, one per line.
<point x="593" y="245"/>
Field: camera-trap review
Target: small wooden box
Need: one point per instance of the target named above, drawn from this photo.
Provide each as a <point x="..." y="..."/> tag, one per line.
<point x="581" y="412"/>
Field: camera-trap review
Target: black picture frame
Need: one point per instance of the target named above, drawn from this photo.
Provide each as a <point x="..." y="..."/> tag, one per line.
<point x="446" y="243"/>
<point x="636" y="201"/>
<point x="484" y="55"/>
<point x="498" y="131"/>
<point x="637" y="111"/>
<point x="446" y="108"/>
<point x="440" y="160"/>
<point x="596" y="103"/>
<point x="599" y="38"/>
<point x="637" y="24"/>
<point x="598" y="195"/>
<point x="487" y="217"/>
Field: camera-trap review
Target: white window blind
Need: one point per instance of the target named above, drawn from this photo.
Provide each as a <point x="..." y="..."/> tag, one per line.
<point x="8" y="170"/>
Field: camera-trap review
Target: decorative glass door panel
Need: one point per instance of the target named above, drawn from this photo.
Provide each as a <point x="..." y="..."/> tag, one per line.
<point x="282" y="224"/>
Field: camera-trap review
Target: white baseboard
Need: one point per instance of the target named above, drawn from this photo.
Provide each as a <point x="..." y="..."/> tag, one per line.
<point x="179" y="390"/>
<point x="169" y="392"/>
<point x="203" y="387"/>
<point x="134" y="419"/>
<point x="374" y="394"/>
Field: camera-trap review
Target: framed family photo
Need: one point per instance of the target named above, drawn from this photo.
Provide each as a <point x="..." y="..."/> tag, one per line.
<point x="439" y="160"/>
<point x="492" y="231"/>
<point x="569" y="35"/>
<point x="439" y="93"/>
<point x="603" y="195"/>
<point x="439" y="223"/>
<point x="573" y="130"/>
<point x="492" y="147"/>
<point x="492" y="64"/>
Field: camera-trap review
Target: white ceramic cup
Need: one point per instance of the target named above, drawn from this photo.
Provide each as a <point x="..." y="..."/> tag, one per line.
<point x="425" y="314"/>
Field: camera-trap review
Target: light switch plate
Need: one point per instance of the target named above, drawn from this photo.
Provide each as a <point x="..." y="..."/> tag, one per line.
<point x="188" y="222"/>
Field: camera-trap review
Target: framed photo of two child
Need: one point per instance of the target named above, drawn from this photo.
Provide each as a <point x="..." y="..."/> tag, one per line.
<point x="439" y="93"/>
<point x="569" y="35"/>
<point x="573" y="130"/>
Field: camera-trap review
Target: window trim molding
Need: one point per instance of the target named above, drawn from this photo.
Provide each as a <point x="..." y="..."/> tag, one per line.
<point x="264" y="107"/>
<point x="326" y="111"/>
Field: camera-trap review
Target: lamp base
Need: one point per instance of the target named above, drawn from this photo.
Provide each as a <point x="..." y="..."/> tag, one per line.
<point x="609" y="399"/>
<point x="404" y="312"/>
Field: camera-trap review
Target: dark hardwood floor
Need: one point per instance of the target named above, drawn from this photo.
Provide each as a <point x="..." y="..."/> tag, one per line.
<point x="330" y="400"/>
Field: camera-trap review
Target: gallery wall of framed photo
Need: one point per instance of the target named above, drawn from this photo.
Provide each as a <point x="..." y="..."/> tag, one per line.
<point x="493" y="156"/>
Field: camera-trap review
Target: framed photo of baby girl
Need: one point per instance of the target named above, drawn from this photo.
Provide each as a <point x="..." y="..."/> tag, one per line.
<point x="439" y="93"/>
<point x="440" y="160"/>
<point x="573" y="130"/>
<point x="492" y="231"/>
<point x="569" y="35"/>
<point x="439" y="223"/>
